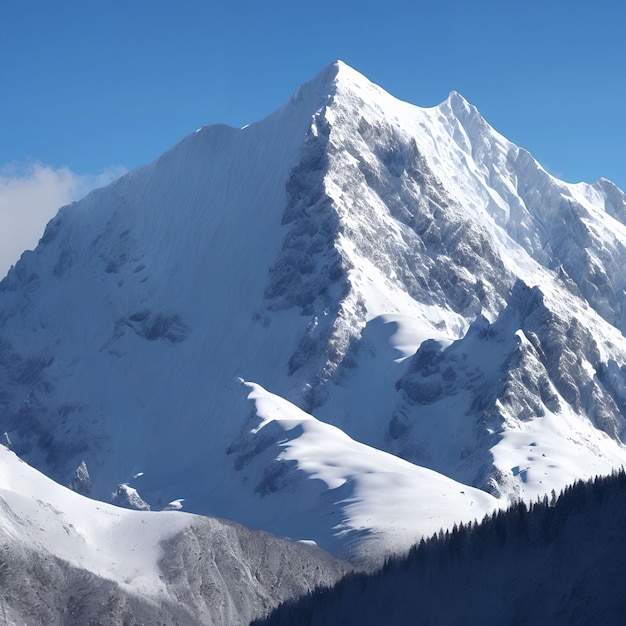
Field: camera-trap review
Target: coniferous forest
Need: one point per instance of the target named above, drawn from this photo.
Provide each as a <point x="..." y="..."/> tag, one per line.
<point x="561" y="560"/>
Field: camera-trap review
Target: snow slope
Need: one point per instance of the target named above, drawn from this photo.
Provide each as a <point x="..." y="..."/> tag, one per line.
<point x="68" y="559"/>
<point x="374" y="502"/>
<point x="110" y="542"/>
<point x="402" y="281"/>
<point x="559" y="563"/>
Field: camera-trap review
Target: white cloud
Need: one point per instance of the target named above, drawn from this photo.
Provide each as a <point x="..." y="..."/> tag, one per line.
<point x="30" y="195"/>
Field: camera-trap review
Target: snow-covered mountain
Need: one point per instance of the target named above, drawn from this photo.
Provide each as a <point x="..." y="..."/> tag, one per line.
<point x="354" y="322"/>
<point x="66" y="559"/>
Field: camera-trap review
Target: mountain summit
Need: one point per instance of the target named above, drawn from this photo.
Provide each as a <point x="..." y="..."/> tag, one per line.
<point x="353" y="322"/>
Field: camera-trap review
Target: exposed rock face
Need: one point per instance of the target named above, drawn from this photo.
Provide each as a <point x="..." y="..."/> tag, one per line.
<point x="128" y="497"/>
<point x="81" y="483"/>
<point x="225" y="574"/>
<point x="528" y="363"/>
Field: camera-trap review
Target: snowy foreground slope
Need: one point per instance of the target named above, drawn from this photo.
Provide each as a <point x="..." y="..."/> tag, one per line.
<point x="427" y="323"/>
<point x="67" y="559"/>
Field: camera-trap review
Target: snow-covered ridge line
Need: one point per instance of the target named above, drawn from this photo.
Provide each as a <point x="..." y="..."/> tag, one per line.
<point x="367" y="261"/>
<point x="372" y="502"/>
<point x="76" y="559"/>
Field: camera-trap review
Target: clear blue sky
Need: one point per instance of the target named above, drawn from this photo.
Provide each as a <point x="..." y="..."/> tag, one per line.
<point x="90" y="84"/>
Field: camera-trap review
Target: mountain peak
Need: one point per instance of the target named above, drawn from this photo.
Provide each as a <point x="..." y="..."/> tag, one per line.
<point x="347" y="72"/>
<point x="460" y="105"/>
<point x="454" y="97"/>
<point x="337" y="72"/>
<point x="337" y="77"/>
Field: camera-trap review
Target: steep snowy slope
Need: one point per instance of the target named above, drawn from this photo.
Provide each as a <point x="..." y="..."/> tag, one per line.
<point x="319" y="478"/>
<point x="405" y="275"/>
<point x="68" y="559"/>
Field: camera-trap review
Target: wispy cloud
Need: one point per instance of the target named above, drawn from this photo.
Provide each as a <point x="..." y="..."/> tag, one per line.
<point x="30" y="195"/>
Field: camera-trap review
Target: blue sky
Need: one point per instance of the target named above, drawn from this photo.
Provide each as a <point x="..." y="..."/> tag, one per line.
<point x="91" y="87"/>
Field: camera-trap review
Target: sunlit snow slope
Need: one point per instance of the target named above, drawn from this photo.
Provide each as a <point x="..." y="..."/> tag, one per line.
<point x="66" y="557"/>
<point x="435" y="314"/>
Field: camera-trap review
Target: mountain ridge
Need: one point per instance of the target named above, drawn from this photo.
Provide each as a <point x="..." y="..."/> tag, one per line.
<point x="67" y="558"/>
<point x="336" y="254"/>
